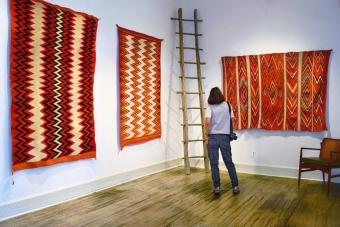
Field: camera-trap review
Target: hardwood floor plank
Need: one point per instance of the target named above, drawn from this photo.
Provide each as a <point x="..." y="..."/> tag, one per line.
<point x="171" y="198"/>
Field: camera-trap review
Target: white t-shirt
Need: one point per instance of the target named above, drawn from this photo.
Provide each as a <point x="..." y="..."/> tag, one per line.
<point x="219" y="118"/>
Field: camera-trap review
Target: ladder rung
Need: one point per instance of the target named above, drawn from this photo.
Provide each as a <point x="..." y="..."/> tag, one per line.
<point x="189" y="48"/>
<point x="194" y="140"/>
<point x="192" y="77"/>
<point x="189" y="93"/>
<point x="193" y="108"/>
<point x="173" y="18"/>
<point x="186" y="33"/>
<point x="199" y="156"/>
<point x="192" y="63"/>
<point x="193" y="124"/>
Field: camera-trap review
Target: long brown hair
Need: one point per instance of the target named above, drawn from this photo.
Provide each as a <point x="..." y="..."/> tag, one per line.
<point x="215" y="96"/>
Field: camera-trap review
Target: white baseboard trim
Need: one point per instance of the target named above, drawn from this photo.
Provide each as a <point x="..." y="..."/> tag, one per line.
<point x="277" y="171"/>
<point x="19" y="207"/>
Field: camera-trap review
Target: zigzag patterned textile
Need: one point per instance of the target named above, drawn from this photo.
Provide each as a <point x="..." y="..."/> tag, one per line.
<point x="140" y="87"/>
<point x="284" y="91"/>
<point x="52" y="68"/>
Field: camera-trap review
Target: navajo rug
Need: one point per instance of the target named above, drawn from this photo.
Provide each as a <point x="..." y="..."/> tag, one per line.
<point x="140" y="82"/>
<point x="284" y="91"/>
<point x="52" y="68"/>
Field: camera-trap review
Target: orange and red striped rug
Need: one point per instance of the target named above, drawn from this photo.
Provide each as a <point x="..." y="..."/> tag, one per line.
<point x="140" y="87"/>
<point x="281" y="91"/>
<point x="52" y="67"/>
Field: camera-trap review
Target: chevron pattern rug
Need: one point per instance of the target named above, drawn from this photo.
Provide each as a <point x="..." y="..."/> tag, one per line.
<point x="284" y="91"/>
<point x="140" y="82"/>
<point x="52" y="68"/>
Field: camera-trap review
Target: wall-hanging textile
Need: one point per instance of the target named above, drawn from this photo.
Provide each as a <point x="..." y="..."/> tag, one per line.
<point x="284" y="91"/>
<point x="140" y="82"/>
<point x="52" y="68"/>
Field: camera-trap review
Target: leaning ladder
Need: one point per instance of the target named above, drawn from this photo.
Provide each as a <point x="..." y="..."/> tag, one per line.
<point x="184" y="93"/>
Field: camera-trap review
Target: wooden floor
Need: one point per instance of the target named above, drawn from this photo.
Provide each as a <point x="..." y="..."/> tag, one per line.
<point x="171" y="198"/>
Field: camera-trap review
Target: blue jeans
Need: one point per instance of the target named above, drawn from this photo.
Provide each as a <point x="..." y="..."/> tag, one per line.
<point x="216" y="142"/>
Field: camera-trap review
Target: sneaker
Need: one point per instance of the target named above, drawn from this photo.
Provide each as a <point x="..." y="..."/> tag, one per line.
<point x="217" y="191"/>
<point x="236" y="190"/>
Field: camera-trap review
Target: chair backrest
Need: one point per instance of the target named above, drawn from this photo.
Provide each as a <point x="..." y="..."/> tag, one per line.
<point x="328" y="145"/>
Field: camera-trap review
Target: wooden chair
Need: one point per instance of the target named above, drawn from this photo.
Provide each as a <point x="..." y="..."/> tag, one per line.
<point x="329" y="158"/>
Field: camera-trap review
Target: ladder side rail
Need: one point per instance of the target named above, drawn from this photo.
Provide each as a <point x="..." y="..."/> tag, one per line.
<point x="200" y="88"/>
<point x="183" y="95"/>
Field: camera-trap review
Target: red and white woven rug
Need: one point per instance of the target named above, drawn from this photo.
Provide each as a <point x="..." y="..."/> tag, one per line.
<point x="52" y="68"/>
<point x="284" y="91"/>
<point x="140" y="87"/>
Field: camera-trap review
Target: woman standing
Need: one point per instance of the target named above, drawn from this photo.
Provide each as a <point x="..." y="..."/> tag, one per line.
<point x="218" y="125"/>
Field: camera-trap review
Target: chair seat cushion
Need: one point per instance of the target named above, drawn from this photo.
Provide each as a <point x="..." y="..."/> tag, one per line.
<point x="318" y="161"/>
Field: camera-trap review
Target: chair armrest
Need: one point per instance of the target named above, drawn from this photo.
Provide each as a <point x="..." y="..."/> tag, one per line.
<point x="307" y="148"/>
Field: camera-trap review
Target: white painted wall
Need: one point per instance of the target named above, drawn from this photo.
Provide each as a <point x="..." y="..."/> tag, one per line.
<point x="241" y="27"/>
<point x="230" y="27"/>
<point x="149" y="16"/>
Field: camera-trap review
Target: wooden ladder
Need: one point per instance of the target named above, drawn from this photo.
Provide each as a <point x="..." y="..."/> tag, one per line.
<point x="182" y="62"/>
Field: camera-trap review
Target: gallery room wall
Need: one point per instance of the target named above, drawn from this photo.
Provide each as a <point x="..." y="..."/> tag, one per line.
<point x="233" y="27"/>
<point x="149" y="16"/>
<point x="243" y="27"/>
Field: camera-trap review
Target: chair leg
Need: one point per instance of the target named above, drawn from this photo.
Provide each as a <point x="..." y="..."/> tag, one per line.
<point x="299" y="179"/>
<point x="329" y="181"/>
<point x="323" y="177"/>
